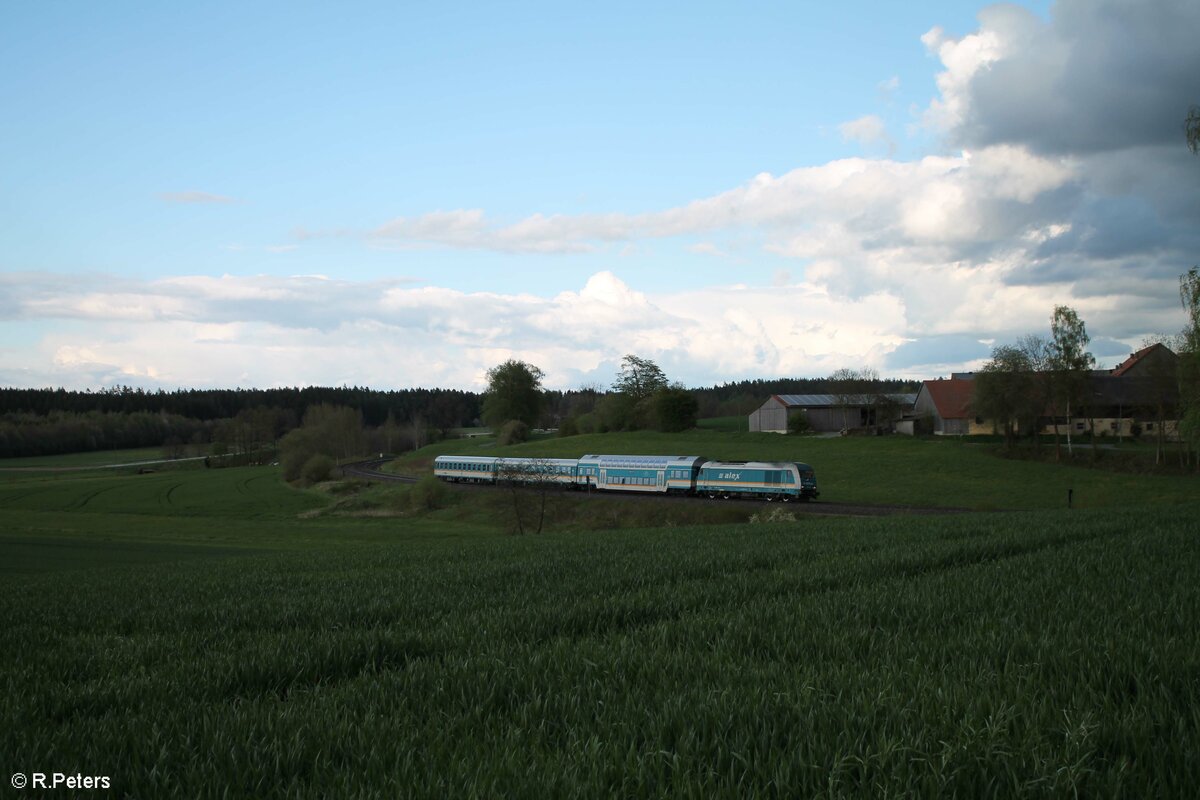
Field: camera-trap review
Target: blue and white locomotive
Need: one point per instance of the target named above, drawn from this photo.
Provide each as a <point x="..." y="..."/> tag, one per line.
<point x="685" y="475"/>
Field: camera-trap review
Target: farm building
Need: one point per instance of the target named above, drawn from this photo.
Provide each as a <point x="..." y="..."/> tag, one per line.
<point x="946" y="403"/>
<point x="1139" y="395"/>
<point x="829" y="412"/>
<point x="1124" y="406"/>
<point x="1149" y="362"/>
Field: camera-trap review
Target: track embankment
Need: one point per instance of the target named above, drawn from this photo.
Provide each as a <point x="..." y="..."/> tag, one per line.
<point x="372" y="470"/>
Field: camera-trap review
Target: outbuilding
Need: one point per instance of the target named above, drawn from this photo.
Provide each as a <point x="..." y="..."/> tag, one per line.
<point x="944" y="407"/>
<point x="829" y="412"/>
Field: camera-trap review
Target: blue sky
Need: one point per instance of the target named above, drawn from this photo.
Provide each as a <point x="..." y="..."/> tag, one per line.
<point x="735" y="192"/>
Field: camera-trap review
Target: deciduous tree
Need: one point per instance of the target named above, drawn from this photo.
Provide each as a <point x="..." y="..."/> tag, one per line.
<point x="843" y="383"/>
<point x="514" y="392"/>
<point x="1003" y="392"/>
<point x="529" y="481"/>
<point x="1189" y="357"/>
<point x="675" y="409"/>
<point x="1070" y="364"/>
<point x="639" y="377"/>
<point x="328" y="430"/>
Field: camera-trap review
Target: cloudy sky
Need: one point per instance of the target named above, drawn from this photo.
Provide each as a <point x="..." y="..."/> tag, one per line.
<point x="265" y="194"/>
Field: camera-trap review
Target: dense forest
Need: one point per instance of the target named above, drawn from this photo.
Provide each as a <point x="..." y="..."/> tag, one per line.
<point x="37" y="422"/>
<point x="49" y="421"/>
<point x="444" y="407"/>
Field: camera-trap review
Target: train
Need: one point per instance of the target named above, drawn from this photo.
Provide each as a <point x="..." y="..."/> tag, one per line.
<point x="678" y="475"/>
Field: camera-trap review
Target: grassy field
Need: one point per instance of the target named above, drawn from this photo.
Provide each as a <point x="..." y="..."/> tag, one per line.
<point x="890" y="470"/>
<point x="727" y="424"/>
<point x="208" y="633"/>
<point x="98" y="458"/>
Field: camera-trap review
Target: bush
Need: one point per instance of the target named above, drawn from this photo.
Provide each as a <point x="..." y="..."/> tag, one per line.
<point x="675" y="409"/>
<point x="798" y="423"/>
<point x="317" y="468"/>
<point x="568" y="427"/>
<point x="513" y="432"/>
<point x="295" y="451"/>
<point x="428" y="494"/>
<point x="776" y="514"/>
<point x="616" y="412"/>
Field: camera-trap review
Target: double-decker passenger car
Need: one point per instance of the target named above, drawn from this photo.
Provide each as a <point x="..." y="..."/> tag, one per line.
<point x="666" y="474"/>
<point x="476" y="469"/>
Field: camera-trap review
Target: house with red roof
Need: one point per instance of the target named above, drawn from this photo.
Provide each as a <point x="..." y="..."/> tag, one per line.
<point x="946" y="404"/>
<point x="1148" y="362"/>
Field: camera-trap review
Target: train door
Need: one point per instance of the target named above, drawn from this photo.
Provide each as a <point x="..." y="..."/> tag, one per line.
<point x="662" y="479"/>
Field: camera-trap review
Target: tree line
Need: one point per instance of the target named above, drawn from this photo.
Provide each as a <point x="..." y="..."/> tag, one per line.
<point x="442" y="408"/>
<point x="641" y="398"/>
<point x="37" y="422"/>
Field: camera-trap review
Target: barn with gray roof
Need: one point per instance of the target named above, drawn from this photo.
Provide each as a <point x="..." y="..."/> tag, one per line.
<point x="829" y="412"/>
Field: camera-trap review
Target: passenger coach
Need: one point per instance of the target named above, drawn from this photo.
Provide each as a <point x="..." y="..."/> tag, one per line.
<point x="665" y="474"/>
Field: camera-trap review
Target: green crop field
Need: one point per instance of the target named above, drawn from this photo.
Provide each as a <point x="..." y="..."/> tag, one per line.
<point x="890" y="470"/>
<point x="727" y="424"/>
<point x="99" y="458"/>
<point x="209" y="633"/>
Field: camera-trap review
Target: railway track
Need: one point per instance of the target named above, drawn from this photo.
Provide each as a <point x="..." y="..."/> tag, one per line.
<point x="372" y="470"/>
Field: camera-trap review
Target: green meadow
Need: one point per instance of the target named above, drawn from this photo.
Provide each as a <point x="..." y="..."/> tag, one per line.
<point x="889" y="470"/>
<point x="99" y="458"/>
<point x="217" y="633"/>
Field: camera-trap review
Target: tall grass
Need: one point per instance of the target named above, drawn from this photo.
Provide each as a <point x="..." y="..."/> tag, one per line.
<point x="1045" y="653"/>
<point x="891" y="470"/>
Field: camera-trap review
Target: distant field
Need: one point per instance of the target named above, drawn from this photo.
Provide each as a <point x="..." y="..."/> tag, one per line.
<point x="198" y="634"/>
<point x="93" y="459"/>
<point x="728" y="424"/>
<point x="889" y="470"/>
